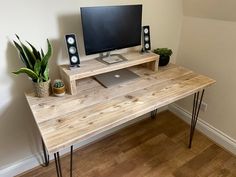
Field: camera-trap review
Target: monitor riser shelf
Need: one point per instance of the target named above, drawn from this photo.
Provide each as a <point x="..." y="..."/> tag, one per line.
<point x="93" y="67"/>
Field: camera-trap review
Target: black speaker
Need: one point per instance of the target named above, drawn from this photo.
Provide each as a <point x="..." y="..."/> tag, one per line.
<point x="72" y="50"/>
<point x="146" y="39"/>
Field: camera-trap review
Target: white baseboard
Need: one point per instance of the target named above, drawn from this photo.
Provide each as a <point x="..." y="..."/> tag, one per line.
<point x="33" y="161"/>
<point x="211" y="132"/>
<point x="19" y="167"/>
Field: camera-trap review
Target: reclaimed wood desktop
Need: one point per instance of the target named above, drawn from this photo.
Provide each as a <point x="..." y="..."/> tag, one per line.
<point x="65" y="121"/>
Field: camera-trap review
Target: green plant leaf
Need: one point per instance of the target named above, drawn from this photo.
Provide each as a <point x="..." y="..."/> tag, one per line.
<point x="27" y="71"/>
<point x="46" y="74"/>
<point x="28" y="54"/>
<point x="163" y="51"/>
<point x="20" y="49"/>
<point x="42" y="53"/>
<point x="35" y="52"/>
<point x="21" y="54"/>
<point x="17" y="36"/>
<point x="37" y="67"/>
<point x="46" y="58"/>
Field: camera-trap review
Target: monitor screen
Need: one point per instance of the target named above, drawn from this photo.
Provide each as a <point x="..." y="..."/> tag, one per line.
<point x="109" y="28"/>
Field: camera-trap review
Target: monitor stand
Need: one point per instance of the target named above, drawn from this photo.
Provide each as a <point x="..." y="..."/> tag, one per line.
<point x="109" y="58"/>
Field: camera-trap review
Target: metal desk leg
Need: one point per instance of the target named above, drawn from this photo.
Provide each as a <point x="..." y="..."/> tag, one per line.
<point x="195" y="112"/>
<point x="46" y="156"/>
<point x="153" y="114"/>
<point x="58" y="164"/>
<point x="71" y="160"/>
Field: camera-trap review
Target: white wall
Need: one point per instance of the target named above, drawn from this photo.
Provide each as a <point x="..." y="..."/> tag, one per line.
<point x="37" y="20"/>
<point x="208" y="46"/>
<point x="211" y="9"/>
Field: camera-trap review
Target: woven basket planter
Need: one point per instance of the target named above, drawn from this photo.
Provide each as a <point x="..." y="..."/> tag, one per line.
<point x="42" y="89"/>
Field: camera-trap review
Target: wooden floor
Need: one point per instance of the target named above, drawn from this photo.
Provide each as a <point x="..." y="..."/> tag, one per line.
<point x="150" y="148"/>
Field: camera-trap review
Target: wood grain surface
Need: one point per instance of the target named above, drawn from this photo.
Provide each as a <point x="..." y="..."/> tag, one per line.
<point x="74" y="118"/>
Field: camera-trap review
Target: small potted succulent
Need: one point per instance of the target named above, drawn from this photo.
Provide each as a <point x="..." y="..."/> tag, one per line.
<point x="36" y="66"/>
<point x="165" y="54"/>
<point x="58" y="88"/>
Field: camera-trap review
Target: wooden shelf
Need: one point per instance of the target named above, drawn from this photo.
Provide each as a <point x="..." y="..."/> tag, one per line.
<point x="94" y="67"/>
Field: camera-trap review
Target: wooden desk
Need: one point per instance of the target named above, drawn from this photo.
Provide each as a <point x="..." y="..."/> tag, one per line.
<point x="94" y="109"/>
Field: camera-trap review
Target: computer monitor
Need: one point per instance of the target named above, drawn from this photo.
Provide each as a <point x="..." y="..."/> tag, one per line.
<point x="108" y="28"/>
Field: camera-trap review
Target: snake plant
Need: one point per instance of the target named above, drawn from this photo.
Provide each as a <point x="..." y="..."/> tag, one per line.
<point x="36" y="62"/>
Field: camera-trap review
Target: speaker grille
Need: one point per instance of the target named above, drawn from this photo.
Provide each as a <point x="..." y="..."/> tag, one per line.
<point x="72" y="50"/>
<point x="146" y="38"/>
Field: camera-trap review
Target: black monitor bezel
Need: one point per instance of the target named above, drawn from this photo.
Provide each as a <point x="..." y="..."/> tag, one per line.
<point x="112" y="48"/>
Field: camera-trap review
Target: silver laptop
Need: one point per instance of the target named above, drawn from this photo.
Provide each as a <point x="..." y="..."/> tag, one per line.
<point x="115" y="77"/>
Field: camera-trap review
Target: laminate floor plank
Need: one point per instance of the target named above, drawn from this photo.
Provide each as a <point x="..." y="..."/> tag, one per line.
<point x="149" y="148"/>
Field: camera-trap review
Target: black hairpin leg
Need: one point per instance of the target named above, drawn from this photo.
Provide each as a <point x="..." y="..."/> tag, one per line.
<point x="46" y="156"/>
<point x="71" y="160"/>
<point x="196" y="108"/>
<point x="58" y="164"/>
<point x="153" y="114"/>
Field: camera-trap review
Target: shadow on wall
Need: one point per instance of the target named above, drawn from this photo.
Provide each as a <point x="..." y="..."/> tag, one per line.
<point x="66" y="24"/>
<point x="70" y="24"/>
<point x="53" y="62"/>
<point x="18" y="131"/>
<point x="17" y="127"/>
